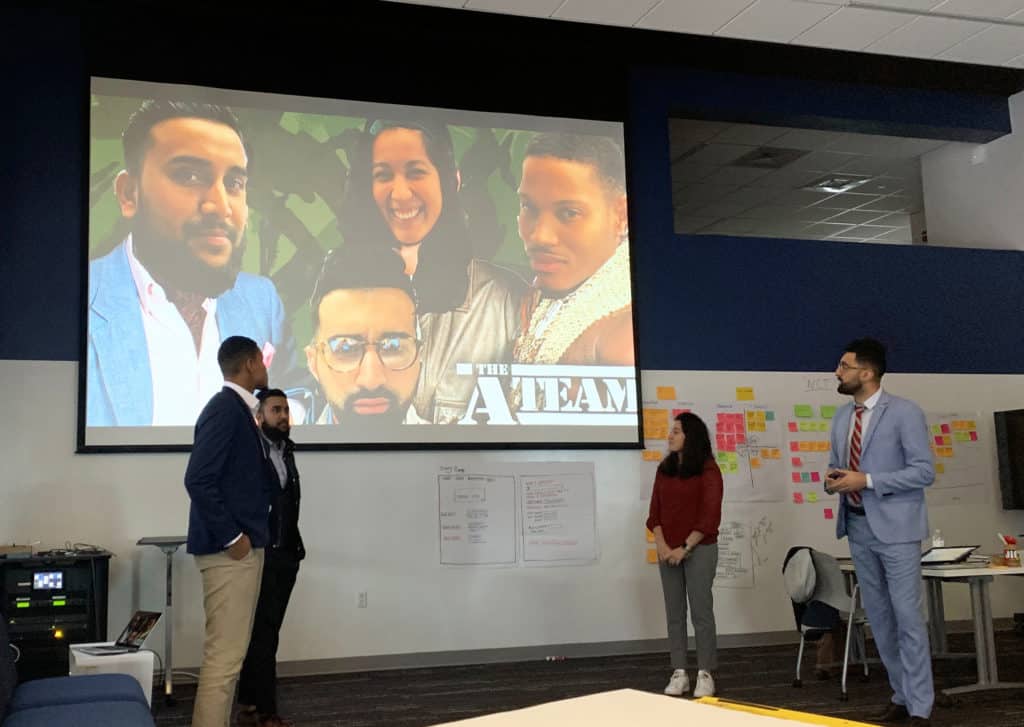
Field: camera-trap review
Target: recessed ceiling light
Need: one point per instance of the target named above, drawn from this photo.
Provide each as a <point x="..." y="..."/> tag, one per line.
<point x="836" y="183"/>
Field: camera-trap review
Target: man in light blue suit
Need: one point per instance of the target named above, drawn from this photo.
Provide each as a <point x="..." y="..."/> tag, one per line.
<point x="880" y="464"/>
<point x="163" y="300"/>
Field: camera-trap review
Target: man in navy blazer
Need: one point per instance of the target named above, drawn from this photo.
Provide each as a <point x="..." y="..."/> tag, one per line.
<point x="880" y="464"/>
<point x="163" y="300"/>
<point x="229" y="480"/>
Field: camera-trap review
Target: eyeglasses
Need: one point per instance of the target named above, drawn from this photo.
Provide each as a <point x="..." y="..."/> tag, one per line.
<point x="345" y="354"/>
<point x="843" y="366"/>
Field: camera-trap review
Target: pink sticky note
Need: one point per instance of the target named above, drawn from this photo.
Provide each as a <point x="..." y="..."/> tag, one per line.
<point x="796" y="478"/>
<point x="828" y="513"/>
<point x="797" y="462"/>
<point x="945" y="429"/>
<point x="798" y="498"/>
<point x="794" y="446"/>
<point x="815" y="477"/>
<point x="794" y="427"/>
<point x="938" y="441"/>
<point x="741" y="438"/>
<point x="974" y="436"/>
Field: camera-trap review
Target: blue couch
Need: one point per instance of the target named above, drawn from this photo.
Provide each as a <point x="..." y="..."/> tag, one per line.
<point x="90" y="700"/>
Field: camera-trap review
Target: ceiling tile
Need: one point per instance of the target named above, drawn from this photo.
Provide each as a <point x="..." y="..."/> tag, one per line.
<point x="926" y="37"/>
<point x="752" y="134"/>
<point x="910" y="4"/>
<point x="998" y="44"/>
<point x="775" y="20"/>
<point x="822" y="161"/>
<point x="852" y="28"/>
<point x="536" y="8"/>
<point x="825" y="230"/>
<point x="688" y="224"/>
<point x="736" y="175"/>
<point x="807" y="139"/>
<point x="982" y="8"/>
<point x="720" y="209"/>
<point x="693" y="16"/>
<point x="869" y="144"/>
<point x="718" y="153"/>
<point x="703" y="192"/>
<point x="604" y="12"/>
<point x="690" y="172"/>
<point x="855" y="217"/>
<point x="750" y="196"/>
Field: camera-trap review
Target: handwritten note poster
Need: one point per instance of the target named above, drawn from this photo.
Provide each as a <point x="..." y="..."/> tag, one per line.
<point x="735" y="557"/>
<point x="559" y="517"/>
<point x="477" y="518"/>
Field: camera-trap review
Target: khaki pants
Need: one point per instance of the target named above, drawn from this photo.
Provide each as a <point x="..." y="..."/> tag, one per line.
<point x="230" y="591"/>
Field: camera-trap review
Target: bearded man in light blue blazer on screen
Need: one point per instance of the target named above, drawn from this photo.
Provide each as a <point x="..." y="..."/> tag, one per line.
<point x="880" y="464"/>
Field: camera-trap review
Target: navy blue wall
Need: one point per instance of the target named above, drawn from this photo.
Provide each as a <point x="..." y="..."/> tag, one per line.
<point x="703" y="302"/>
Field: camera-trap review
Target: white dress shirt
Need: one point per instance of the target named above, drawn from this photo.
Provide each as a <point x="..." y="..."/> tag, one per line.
<point x="182" y="380"/>
<point x="865" y="418"/>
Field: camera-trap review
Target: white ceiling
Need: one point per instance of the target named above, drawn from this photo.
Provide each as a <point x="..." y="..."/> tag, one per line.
<point x="820" y="23"/>
<point x="713" y="196"/>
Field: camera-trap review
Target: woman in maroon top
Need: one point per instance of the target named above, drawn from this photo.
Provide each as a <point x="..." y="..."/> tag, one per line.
<point x="686" y="509"/>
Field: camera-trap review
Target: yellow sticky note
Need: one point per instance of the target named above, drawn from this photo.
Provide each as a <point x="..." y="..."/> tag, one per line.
<point x="744" y="393"/>
<point x="805" y="446"/>
<point x="940" y="468"/>
<point x="755" y="463"/>
<point x="652" y="455"/>
<point x="776" y="454"/>
<point x="655" y="423"/>
<point x="812" y="497"/>
<point x="650" y="536"/>
<point x="766" y="454"/>
<point x="667" y="392"/>
<point x="652" y="555"/>
<point x="822" y="446"/>
<point x="971" y="424"/>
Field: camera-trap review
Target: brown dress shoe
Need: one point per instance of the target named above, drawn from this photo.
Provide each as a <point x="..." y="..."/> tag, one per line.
<point x="920" y="722"/>
<point x="893" y="713"/>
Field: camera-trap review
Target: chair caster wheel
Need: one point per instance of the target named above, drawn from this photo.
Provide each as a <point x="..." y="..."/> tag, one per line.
<point x="798" y="683"/>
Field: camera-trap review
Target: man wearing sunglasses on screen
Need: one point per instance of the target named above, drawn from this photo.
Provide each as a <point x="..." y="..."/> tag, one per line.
<point x="163" y="300"/>
<point x="365" y="352"/>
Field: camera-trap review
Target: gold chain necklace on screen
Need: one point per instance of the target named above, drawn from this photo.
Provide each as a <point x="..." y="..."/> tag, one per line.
<point x="557" y="322"/>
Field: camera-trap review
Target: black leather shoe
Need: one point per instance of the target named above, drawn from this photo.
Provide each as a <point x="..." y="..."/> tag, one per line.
<point x="894" y="713"/>
<point x="920" y="722"/>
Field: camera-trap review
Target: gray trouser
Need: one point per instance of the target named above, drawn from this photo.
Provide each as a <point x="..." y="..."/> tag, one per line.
<point x="692" y="580"/>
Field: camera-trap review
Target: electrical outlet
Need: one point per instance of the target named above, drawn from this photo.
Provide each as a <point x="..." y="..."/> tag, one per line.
<point x="362" y="599"/>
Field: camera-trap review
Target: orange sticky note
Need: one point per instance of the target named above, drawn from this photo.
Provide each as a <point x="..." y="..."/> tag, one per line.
<point x="650" y="536"/>
<point x="666" y="392"/>
<point x="806" y="446"/>
<point x="755" y="463"/>
<point x="652" y="556"/>
<point x="940" y="468"/>
<point x="652" y="455"/>
<point x="744" y="393"/>
<point x="655" y="423"/>
<point x="776" y="453"/>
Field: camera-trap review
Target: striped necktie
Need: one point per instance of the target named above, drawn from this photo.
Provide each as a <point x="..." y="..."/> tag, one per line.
<point x="855" y="445"/>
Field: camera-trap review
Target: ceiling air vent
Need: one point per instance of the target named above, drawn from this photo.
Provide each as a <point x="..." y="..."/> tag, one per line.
<point x="768" y="157"/>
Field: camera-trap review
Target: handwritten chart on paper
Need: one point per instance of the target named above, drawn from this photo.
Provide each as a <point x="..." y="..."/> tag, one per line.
<point x="807" y="455"/>
<point x="735" y="557"/>
<point x="477" y="518"/>
<point x="747" y="441"/>
<point x="559" y="517"/>
<point x="961" y="459"/>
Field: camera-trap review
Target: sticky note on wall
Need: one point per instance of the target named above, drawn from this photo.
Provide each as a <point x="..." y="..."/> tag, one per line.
<point x="744" y="393"/>
<point x="666" y="393"/>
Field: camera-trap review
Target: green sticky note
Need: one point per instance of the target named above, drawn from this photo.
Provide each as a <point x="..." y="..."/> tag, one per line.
<point x="769" y="416"/>
<point x="827" y="412"/>
<point x="733" y="468"/>
<point x="812" y="497"/>
<point x="936" y="429"/>
<point x="805" y="476"/>
<point x="963" y="437"/>
<point x="803" y="410"/>
<point x="733" y="457"/>
<point x="723" y="457"/>
<point x="822" y="426"/>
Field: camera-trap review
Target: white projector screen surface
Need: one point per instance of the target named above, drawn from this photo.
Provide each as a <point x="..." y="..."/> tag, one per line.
<point x="414" y="277"/>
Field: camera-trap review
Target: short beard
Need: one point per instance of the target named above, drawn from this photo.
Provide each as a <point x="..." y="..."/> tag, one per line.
<point x="849" y="389"/>
<point x="174" y="267"/>
<point x="371" y="423"/>
<point x="275" y="434"/>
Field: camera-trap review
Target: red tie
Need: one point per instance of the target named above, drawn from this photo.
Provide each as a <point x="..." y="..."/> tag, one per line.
<point x="855" y="441"/>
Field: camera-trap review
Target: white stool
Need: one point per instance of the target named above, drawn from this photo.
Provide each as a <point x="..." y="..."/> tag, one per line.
<point x="138" y="664"/>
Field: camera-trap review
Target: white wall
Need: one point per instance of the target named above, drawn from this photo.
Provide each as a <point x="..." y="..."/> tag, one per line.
<point x="370" y="523"/>
<point x="974" y="194"/>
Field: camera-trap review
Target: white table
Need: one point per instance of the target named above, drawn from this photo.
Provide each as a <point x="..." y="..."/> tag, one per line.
<point x="632" y="707"/>
<point x="978" y="580"/>
<point x="138" y="664"/>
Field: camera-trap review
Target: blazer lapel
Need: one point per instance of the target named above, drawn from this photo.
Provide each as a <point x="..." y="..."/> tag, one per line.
<point x="876" y="417"/>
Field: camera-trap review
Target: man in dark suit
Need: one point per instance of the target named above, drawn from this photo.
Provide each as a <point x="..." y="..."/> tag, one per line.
<point x="229" y="480"/>
<point x="880" y="465"/>
<point x="257" y="686"/>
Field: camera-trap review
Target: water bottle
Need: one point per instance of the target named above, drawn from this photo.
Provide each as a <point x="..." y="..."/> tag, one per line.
<point x="937" y="540"/>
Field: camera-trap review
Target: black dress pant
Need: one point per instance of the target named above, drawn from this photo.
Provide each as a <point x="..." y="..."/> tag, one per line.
<point x="257" y="684"/>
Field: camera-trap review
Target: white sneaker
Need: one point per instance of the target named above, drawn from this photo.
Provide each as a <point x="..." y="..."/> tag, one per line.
<point x="705" y="685"/>
<point x="679" y="684"/>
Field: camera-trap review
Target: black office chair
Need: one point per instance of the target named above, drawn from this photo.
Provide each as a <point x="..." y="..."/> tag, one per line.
<point x="815" y="618"/>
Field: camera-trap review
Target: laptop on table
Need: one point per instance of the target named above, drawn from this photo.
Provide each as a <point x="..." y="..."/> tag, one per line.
<point x="131" y="639"/>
